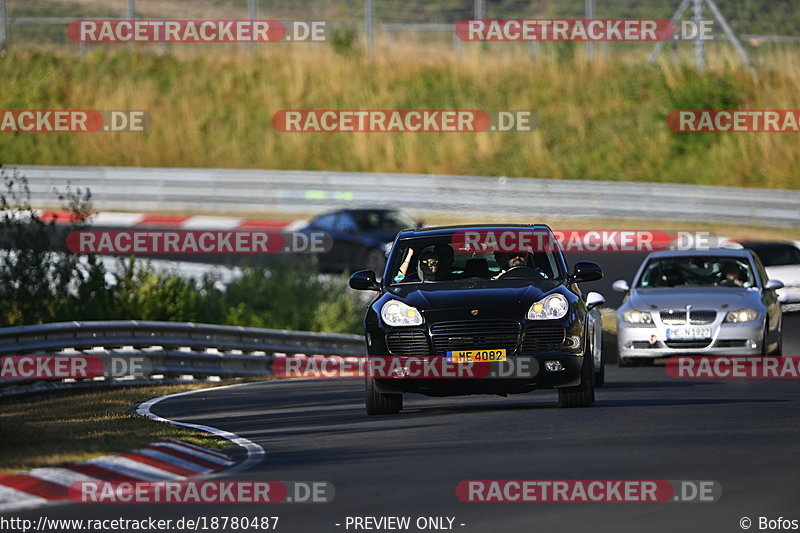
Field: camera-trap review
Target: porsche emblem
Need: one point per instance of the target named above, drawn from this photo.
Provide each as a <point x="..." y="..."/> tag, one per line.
<point x="474" y="312"/>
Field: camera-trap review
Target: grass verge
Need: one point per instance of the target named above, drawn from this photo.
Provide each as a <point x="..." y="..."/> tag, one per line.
<point x="596" y="121"/>
<point x="65" y="427"/>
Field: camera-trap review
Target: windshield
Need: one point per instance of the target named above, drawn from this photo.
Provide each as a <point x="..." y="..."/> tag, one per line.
<point x="432" y="260"/>
<point x="778" y="254"/>
<point x="383" y="220"/>
<point x="697" y="271"/>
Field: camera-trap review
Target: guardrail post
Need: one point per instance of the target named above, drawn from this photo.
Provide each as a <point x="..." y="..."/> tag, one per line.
<point x="3" y="24"/>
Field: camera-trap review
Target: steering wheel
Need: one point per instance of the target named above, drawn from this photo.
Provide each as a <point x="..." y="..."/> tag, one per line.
<point x="520" y="271"/>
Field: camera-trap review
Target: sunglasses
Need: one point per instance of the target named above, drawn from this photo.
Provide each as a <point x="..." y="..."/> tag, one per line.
<point x="430" y="262"/>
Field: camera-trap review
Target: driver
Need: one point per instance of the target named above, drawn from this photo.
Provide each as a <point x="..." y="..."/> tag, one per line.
<point x="732" y="276"/>
<point x="509" y="260"/>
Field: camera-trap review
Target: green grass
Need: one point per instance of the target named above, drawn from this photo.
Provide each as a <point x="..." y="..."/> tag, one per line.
<point x="601" y="121"/>
<point x="65" y="427"/>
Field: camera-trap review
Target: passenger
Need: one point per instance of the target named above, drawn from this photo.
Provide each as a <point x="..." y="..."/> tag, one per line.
<point x="429" y="265"/>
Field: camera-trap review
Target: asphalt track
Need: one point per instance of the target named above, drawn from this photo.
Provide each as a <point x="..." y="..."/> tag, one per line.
<point x="645" y="425"/>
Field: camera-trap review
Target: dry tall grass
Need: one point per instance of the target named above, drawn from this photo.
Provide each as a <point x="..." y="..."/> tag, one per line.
<point x="602" y="121"/>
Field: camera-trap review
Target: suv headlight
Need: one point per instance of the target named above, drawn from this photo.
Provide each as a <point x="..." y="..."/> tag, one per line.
<point x="637" y="317"/>
<point x="396" y="313"/>
<point x="549" y="308"/>
<point x="742" y="315"/>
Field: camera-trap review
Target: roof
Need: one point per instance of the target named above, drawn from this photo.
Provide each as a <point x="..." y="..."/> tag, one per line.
<point x="438" y="231"/>
<point x="717" y="252"/>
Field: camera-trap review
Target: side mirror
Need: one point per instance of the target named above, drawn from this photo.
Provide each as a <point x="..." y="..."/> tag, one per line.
<point x="620" y="286"/>
<point x="594" y="299"/>
<point x="586" y="271"/>
<point x="773" y="285"/>
<point x="364" y="280"/>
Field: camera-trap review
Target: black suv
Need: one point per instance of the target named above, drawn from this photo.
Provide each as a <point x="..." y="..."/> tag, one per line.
<point x="485" y="295"/>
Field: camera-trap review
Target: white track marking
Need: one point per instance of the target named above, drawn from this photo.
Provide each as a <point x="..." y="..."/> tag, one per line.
<point x="195" y="453"/>
<point x="60" y="476"/>
<point x="171" y="459"/>
<point x="255" y="453"/>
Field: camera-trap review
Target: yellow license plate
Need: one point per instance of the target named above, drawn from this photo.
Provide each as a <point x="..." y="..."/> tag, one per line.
<point x="477" y="356"/>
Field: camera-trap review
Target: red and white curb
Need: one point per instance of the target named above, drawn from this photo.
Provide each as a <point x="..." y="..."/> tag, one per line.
<point x="143" y="220"/>
<point x="165" y="460"/>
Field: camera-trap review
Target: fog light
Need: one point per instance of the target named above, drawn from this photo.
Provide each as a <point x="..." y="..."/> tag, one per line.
<point x="752" y="344"/>
<point x="553" y="366"/>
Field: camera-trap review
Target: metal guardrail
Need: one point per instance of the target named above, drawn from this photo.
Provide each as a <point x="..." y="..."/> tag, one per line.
<point x="172" y="349"/>
<point x="227" y="191"/>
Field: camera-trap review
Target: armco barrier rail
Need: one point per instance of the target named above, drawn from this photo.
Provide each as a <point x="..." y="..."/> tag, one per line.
<point x="174" y="349"/>
<point x="218" y="191"/>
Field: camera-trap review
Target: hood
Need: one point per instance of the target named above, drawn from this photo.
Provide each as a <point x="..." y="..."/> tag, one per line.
<point x="788" y="274"/>
<point x="444" y="296"/>
<point x="697" y="297"/>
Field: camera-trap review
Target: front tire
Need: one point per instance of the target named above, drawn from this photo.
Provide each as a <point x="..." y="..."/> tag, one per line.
<point x="378" y="403"/>
<point x="600" y="375"/>
<point x="583" y="394"/>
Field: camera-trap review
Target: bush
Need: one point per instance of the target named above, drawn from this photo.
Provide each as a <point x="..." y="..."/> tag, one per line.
<point x="39" y="285"/>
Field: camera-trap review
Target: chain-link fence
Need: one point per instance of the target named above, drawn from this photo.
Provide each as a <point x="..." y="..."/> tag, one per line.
<point x="383" y="26"/>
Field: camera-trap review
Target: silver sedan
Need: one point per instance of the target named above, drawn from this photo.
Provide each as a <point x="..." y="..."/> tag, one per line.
<point x="698" y="302"/>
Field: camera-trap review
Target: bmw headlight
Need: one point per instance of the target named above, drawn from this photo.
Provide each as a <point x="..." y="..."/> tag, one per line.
<point x="396" y="313"/>
<point x="637" y="317"/>
<point x="549" y="308"/>
<point x="742" y="315"/>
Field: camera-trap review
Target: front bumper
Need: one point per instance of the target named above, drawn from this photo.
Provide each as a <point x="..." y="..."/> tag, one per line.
<point x="650" y="342"/>
<point x="537" y="342"/>
<point x="521" y="374"/>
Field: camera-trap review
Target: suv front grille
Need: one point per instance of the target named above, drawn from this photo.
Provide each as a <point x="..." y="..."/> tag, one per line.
<point x="543" y="338"/>
<point x="408" y="343"/>
<point x="475" y="335"/>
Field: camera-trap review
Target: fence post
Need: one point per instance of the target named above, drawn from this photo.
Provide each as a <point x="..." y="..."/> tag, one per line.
<point x="699" y="46"/>
<point x="369" y="12"/>
<point x="589" y="15"/>
<point x="3" y="24"/>
<point x="480" y="9"/>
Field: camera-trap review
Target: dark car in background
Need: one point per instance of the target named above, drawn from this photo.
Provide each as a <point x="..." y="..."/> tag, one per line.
<point x="479" y="302"/>
<point x="361" y="238"/>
